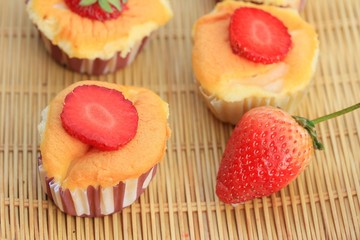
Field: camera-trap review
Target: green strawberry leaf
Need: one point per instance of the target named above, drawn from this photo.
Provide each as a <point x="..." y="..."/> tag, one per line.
<point x="310" y="127"/>
<point x="115" y="3"/>
<point x="105" y="5"/>
<point x="87" y="2"/>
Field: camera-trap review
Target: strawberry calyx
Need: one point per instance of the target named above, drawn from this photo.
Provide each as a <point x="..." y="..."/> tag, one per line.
<point x="101" y="10"/>
<point x="310" y="128"/>
<point x="309" y="125"/>
<point x="106" y="5"/>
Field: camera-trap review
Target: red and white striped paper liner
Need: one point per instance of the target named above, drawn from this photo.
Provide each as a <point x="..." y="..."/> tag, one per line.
<point x="95" y="66"/>
<point x="95" y="201"/>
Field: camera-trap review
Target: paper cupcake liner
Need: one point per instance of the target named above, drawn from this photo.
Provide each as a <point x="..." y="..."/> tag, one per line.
<point x="96" y="66"/>
<point x="95" y="201"/>
<point x="297" y="4"/>
<point x="231" y="112"/>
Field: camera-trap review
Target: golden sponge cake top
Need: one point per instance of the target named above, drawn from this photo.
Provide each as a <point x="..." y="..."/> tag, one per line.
<point x="78" y="165"/>
<point x="82" y="37"/>
<point x="227" y="76"/>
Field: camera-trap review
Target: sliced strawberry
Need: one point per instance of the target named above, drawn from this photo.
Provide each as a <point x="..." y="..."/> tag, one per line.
<point x="258" y="36"/>
<point x="99" y="116"/>
<point x="95" y="11"/>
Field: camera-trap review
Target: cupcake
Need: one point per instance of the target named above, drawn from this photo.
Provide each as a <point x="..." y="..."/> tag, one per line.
<point x="296" y="4"/>
<point x="100" y="146"/>
<point x="246" y="55"/>
<point x="97" y="36"/>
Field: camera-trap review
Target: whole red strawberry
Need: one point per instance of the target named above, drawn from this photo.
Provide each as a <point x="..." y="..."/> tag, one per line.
<point x="266" y="151"/>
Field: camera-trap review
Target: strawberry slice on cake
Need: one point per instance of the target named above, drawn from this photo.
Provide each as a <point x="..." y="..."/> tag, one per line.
<point x="258" y="36"/>
<point x="99" y="116"/>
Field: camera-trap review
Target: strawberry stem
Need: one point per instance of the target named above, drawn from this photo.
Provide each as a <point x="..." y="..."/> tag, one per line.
<point x="336" y="114"/>
<point x="309" y="125"/>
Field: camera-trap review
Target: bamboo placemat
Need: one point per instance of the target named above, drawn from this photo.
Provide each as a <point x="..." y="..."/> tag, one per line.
<point x="323" y="203"/>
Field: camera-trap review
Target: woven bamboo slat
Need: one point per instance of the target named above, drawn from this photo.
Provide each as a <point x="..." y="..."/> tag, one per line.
<point x="323" y="203"/>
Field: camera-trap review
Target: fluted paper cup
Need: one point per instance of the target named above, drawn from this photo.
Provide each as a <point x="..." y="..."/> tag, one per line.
<point x="95" y="201"/>
<point x="95" y="66"/>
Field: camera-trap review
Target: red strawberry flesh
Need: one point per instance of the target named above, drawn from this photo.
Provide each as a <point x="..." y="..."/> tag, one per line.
<point x="94" y="11"/>
<point x="99" y="117"/>
<point x="266" y="151"/>
<point x="258" y="36"/>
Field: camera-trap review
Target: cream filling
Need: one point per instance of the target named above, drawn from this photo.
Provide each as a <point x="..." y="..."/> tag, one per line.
<point x="42" y="124"/>
<point x="60" y="6"/>
<point x="268" y="83"/>
<point x="272" y="81"/>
